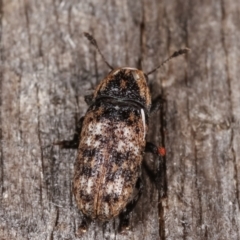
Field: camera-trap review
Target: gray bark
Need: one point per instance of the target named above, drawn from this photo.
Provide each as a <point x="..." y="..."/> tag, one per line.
<point x="46" y="68"/>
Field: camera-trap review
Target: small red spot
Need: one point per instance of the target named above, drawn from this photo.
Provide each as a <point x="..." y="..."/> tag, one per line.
<point x="162" y="151"/>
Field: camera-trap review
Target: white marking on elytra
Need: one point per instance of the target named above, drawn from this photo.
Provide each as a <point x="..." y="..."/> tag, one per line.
<point x="115" y="187"/>
<point x="89" y="186"/>
<point x="121" y="146"/>
<point x="89" y="141"/>
<point x="96" y="144"/>
<point x="109" y="188"/>
<point x="127" y="143"/>
<point x="83" y="181"/>
<point x="133" y="148"/>
<point x="144" y="122"/>
<point x="126" y="132"/>
<point x="106" y="209"/>
<point x="118" y="184"/>
<point x="95" y="129"/>
<point x="87" y="206"/>
<point x="98" y="129"/>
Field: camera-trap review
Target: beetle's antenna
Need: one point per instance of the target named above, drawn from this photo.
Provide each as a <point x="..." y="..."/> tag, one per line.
<point x="175" y="54"/>
<point x="92" y="40"/>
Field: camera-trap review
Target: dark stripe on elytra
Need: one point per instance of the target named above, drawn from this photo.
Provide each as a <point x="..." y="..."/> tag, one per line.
<point x="119" y="158"/>
<point x="129" y="175"/>
<point x="86" y="171"/>
<point x="108" y="198"/>
<point x="86" y="197"/>
<point x="89" y="152"/>
<point x="113" y="176"/>
<point x="121" y="114"/>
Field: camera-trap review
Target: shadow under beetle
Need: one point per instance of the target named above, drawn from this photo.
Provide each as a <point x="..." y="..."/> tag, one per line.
<point x="111" y="141"/>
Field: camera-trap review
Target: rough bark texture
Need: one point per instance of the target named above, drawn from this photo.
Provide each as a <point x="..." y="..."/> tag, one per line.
<point x="47" y="66"/>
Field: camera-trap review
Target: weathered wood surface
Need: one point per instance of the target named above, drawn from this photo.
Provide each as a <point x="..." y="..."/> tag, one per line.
<point x="46" y="67"/>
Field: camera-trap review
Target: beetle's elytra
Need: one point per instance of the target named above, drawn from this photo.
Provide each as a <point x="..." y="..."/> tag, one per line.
<point x="111" y="141"/>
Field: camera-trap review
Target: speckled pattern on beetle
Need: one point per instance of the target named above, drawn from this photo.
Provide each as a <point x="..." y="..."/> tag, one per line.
<point x="112" y="144"/>
<point x="111" y="141"/>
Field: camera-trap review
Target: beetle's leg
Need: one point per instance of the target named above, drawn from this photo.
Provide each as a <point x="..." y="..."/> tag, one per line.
<point x="158" y="177"/>
<point x="157" y="103"/>
<point x="152" y="148"/>
<point x="76" y="137"/>
<point x="83" y="226"/>
<point x="125" y="215"/>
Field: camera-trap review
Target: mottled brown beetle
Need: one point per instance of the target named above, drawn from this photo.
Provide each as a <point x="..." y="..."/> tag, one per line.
<point x="111" y="141"/>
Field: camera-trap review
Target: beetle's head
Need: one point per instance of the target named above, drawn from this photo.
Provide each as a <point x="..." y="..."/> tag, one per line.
<point x="125" y="84"/>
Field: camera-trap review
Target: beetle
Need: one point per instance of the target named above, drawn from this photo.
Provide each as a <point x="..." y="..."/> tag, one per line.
<point x="111" y="141"/>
